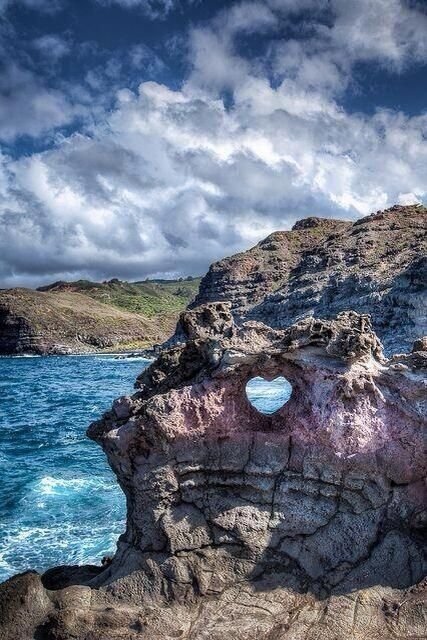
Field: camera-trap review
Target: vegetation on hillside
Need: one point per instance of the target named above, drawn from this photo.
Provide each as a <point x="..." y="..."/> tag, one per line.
<point x="149" y="298"/>
<point x="81" y="316"/>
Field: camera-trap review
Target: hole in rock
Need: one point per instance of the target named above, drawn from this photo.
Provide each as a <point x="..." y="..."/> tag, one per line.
<point x="268" y="396"/>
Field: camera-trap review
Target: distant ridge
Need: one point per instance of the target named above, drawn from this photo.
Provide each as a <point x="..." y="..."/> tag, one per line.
<point x="84" y="316"/>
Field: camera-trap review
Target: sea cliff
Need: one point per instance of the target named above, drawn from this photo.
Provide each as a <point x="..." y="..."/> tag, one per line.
<point x="309" y="523"/>
<point x="375" y="265"/>
<point x="85" y="317"/>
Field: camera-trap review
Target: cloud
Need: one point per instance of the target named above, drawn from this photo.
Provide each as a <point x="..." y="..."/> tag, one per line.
<point x="388" y="31"/>
<point x="144" y="58"/>
<point x="152" y="8"/>
<point x="37" y="101"/>
<point x="169" y="180"/>
<point x="216" y="66"/>
<point x="28" y="106"/>
<point x="342" y="34"/>
<point x="173" y="181"/>
<point x="408" y="198"/>
<point x="52" y="46"/>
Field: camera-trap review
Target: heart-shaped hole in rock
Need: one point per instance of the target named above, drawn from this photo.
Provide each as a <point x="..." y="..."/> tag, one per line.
<point x="268" y="396"/>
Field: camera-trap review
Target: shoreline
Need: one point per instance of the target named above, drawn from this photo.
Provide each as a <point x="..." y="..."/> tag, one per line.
<point x="148" y="352"/>
<point x="116" y="354"/>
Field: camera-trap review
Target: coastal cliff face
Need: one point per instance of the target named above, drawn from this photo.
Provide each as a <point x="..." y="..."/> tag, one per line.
<point x="48" y="323"/>
<point x="376" y="265"/>
<point x="305" y="524"/>
<point x="83" y="316"/>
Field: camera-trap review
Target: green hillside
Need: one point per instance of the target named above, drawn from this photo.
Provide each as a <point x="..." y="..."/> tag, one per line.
<point x="83" y="316"/>
<point x="149" y="297"/>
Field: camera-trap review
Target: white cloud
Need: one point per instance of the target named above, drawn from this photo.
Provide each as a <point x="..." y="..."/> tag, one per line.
<point x="152" y="8"/>
<point x="146" y="60"/>
<point x="173" y="180"/>
<point x="244" y="17"/>
<point x="52" y="46"/>
<point x="169" y="180"/>
<point x="215" y="64"/>
<point x="391" y="32"/>
<point x="388" y="31"/>
<point x="408" y="198"/>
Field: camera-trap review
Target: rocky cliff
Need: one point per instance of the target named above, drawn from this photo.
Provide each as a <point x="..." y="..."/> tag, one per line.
<point x="306" y="524"/>
<point x="376" y="265"/>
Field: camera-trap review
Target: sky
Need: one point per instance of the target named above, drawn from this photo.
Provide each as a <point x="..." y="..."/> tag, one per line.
<point x="149" y="138"/>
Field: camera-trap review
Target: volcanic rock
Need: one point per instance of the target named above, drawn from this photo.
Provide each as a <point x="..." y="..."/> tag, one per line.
<point x="376" y="265"/>
<point x="305" y="524"/>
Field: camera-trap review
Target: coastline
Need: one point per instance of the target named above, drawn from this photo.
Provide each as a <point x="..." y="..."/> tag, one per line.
<point x="220" y="495"/>
<point x="116" y="355"/>
<point x="148" y="353"/>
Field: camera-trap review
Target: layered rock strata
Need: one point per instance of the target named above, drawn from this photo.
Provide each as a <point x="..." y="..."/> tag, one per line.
<point x="306" y="524"/>
<point x="376" y="265"/>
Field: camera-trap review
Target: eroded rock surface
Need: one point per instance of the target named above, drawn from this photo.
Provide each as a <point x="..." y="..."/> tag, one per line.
<point x="306" y="524"/>
<point x="376" y="265"/>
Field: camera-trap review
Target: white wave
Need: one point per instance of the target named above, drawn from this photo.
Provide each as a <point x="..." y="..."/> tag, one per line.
<point x="50" y="486"/>
<point x="134" y="359"/>
<point x="23" y="355"/>
<point x="40" y="547"/>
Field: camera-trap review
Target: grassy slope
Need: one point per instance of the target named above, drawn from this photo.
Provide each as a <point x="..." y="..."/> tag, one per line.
<point x="114" y="315"/>
<point x="149" y="298"/>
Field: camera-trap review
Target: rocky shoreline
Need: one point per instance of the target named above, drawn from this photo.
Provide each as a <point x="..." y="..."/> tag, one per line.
<point x="376" y="265"/>
<point x="309" y="523"/>
<point x="306" y="524"/>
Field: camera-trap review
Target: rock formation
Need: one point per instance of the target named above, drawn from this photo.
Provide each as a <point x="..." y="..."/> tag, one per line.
<point x="306" y="524"/>
<point x="376" y="265"/>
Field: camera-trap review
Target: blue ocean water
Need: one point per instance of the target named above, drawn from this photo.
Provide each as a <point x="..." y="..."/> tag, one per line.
<point x="50" y="471"/>
<point x="268" y="396"/>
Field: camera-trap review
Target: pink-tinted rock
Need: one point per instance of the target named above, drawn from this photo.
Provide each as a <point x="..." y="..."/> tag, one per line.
<point x="314" y="489"/>
<point x="307" y="523"/>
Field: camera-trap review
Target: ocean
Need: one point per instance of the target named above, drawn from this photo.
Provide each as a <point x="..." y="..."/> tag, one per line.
<point x="59" y="500"/>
